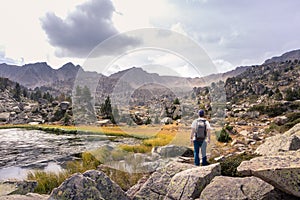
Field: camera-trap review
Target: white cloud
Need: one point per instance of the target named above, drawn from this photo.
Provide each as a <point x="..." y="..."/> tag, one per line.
<point x="5" y="59"/>
<point x="158" y="47"/>
<point x="21" y="31"/>
<point x="223" y="65"/>
<point x="239" y="32"/>
<point x="178" y="27"/>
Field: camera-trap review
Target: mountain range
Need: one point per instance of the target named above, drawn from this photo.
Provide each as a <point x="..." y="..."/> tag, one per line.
<point x="62" y="79"/>
<point x="41" y="74"/>
<point x="38" y="74"/>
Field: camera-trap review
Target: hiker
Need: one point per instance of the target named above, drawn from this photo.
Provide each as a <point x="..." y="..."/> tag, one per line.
<point x="199" y="134"/>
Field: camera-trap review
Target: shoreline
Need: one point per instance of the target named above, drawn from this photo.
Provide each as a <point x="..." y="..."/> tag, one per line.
<point x="73" y="130"/>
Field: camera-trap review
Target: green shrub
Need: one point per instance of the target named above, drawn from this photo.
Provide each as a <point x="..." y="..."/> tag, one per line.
<point x="290" y="124"/>
<point x="228" y="127"/>
<point x="67" y="119"/>
<point x="58" y="115"/>
<point x="230" y="164"/>
<point x="292" y="94"/>
<point x="273" y="127"/>
<point x="176" y="101"/>
<point x="295" y="105"/>
<point x="293" y="119"/>
<point x="270" y="110"/>
<point x="148" y="121"/>
<point x="223" y="136"/>
<point x="293" y="116"/>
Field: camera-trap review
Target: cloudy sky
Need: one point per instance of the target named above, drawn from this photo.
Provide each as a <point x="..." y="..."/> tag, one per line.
<point x="232" y="32"/>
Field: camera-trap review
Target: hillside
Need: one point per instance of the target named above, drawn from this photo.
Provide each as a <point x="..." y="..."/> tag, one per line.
<point x="266" y="95"/>
<point x="291" y="55"/>
<point x="268" y="82"/>
<point x="150" y="97"/>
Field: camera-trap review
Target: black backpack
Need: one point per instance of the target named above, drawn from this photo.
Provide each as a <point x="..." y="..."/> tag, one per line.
<point x="201" y="130"/>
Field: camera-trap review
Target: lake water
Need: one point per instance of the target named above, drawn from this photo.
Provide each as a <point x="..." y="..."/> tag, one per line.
<point x="22" y="150"/>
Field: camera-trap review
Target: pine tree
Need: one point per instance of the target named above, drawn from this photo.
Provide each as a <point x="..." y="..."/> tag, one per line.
<point x="106" y="110"/>
<point x="176" y="101"/>
<point x="17" y="92"/>
<point x="25" y="93"/>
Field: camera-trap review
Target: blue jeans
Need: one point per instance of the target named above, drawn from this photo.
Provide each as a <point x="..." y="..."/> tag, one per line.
<point x="197" y="145"/>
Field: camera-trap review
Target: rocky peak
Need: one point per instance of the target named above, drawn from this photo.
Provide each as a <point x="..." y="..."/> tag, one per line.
<point x="69" y="67"/>
<point x="67" y="71"/>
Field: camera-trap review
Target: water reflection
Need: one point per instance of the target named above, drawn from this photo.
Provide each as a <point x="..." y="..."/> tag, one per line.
<point x="12" y="173"/>
<point x="23" y="150"/>
<point x="19" y="173"/>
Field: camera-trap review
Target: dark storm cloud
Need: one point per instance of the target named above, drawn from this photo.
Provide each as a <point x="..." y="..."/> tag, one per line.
<point x="83" y="29"/>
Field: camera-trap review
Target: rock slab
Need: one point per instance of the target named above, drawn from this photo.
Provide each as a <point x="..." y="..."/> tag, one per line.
<point x="189" y="184"/>
<point x="281" y="170"/>
<point x="288" y="141"/>
<point x="249" y="188"/>
<point x="156" y="187"/>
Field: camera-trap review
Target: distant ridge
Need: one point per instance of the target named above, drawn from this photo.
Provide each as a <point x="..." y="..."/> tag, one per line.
<point x="38" y="74"/>
<point x="291" y="55"/>
<point x="41" y="74"/>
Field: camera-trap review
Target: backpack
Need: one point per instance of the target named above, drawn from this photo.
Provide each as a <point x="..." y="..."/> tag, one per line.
<point x="201" y="130"/>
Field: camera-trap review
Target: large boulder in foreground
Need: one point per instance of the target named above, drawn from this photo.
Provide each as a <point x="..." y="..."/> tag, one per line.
<point x="281" y="170"/>
<point x="156" y="187"/>
<point x="90" y="185"/>
<point x="288" y="141"/>
<point x="223" y="187"/>
<point x="189" y="184"/>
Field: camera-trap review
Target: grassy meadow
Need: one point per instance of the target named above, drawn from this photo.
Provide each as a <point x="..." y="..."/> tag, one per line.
<point x="147" y="137"/>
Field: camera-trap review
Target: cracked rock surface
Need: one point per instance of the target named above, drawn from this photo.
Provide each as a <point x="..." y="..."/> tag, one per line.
<point x="189" y="184"/>
<point x="156" y="187"/>
<point x="281" y="170"/>
<point x="177" y="181"/>
<point x="92" y="184"/>
<point x="223" y="187"/>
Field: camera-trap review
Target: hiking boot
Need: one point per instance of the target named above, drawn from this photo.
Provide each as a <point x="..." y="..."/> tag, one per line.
<point x="204" y="161"/>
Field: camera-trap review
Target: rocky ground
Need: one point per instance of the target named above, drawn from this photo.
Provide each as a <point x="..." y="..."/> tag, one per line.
<point x="27" y="111"/>
<point x="259" y="105"/>
<point x="272" y="175"/>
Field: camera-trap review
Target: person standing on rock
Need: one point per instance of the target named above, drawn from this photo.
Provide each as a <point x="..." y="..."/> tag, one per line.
<point x="199" y="134"/>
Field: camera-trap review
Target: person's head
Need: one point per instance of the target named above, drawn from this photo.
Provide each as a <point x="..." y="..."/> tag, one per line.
<point x="201" y="113"/>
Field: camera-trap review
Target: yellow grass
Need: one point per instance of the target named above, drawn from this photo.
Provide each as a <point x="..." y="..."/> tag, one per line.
<point x="151" y="135"/>
<point x="140" y="148"/>
<point x="47" y="181"/>
<point x="134" y="131"/>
